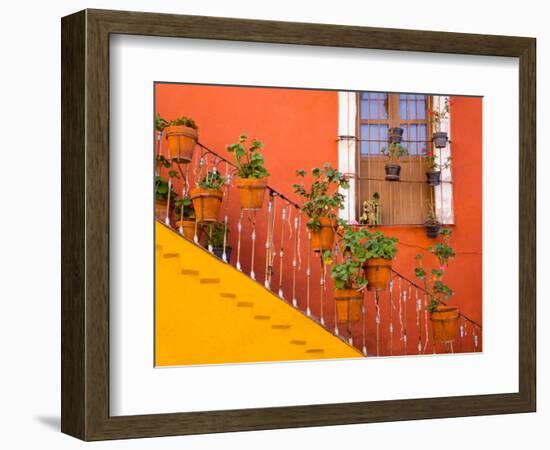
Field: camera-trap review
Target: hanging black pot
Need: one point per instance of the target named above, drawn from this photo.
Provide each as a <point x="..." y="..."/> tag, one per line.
<point x="395" y="135"/>
<point x="434" y="178"/>
<point x="440" y="139"/>
<point x="432" y="229"/>
<point x="392" y="172"/>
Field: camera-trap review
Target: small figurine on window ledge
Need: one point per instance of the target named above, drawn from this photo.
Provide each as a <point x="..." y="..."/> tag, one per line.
<point x="372" y="211"/>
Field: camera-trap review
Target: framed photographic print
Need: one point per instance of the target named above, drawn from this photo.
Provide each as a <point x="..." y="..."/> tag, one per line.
<point x="271" y="224"/>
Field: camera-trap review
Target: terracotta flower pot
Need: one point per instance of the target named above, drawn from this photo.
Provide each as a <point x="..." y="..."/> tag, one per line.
<point x="206" y="203"/>
<point x="377" y="273"/>
<point x="432" y="229"/>
<point x="323" y="238"/>
<point x="188" y="228"/>
<point x="181" y="141"/>
<point x="348" y="304"/>
<point x="444" y="323"/>
<point x="251" y="192"/>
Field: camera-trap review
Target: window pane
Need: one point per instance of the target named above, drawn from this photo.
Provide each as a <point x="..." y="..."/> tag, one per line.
<point x="373" y="138"/>
<point x="373" y="106"/>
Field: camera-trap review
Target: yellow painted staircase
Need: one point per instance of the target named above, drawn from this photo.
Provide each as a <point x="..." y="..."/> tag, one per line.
<point x="207" y="312"/>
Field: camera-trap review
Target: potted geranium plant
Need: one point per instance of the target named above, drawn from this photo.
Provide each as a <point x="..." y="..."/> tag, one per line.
<point x="436" y="117"/>
<point x="432" y="225"/>
<point x="185" y="216"/>
<point x="251" y="180"/>
<point x="207" y="197"/>
<point x="321" y="204"/>
<point x="182" y="136"/>
<point x="349" y="283"/>
<point x="444" y="318"/>
<point x="393" y="152"/>
<point x="434" y="168"/>
<point x="380" y="250"/>
<point x="217" y="238"/>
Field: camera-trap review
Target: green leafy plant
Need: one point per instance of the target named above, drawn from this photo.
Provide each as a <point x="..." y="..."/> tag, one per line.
<point x="184" y="121"/>
<point x="442" y="250"/>
<point x="250" y="162"/>
<point x="437" y="116"/>
<point x="322" y="199"/>
<point x="394" y="151"/>
<point x="432" y="164"/>
<point x="212" y="180"/>
<point x="380" y="246"/>
<point x="348" y="275"/>
<point x="215" y="235"/>
<point x="184" y="209"/>
<point x="162" y="187"/>
<point x="436" y="289"/>
<point x="160" y="123"/>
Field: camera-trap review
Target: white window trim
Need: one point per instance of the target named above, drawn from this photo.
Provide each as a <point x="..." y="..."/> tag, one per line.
<point x="347" y="159"/>
<point x="347" y="153"/>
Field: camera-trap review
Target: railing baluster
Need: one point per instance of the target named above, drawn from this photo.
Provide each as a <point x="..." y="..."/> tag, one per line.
<point x="418" y="320"/>
<point x="268" y="242"/>
<point x="475" y="338"/>
<point x="461" y="333"/>
<point x="253" y="236"/>
<point x="308" y="272"/>
<point x="364" y="322"/>
<point x="377" y="319"/>
<point x="294" y="262"/>
<point x="391" y="317"/>
<point x="167" y="219"/>
<point x="405" y="294"/>
<point x="322" y="283"/>
<point x="282" y="251"/>
<point x="239" y="230"/>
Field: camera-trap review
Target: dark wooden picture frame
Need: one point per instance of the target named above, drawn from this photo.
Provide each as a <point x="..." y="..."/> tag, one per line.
<point x="85" y="224"/>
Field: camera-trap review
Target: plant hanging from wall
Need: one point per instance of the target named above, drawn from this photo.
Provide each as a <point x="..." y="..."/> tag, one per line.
<point x="207" y="197"/>
<point x="322" y="201"/>
<point x="217" y="238"/>
<point x="251" y="172"/>
<point x="380" y="250"/>
<point x="434" y="167"/>
<point x="436" y="117"/>
<point x="349" y="282"/>
<point x="432" y="226"/>
<point x="393" y="153"/>
<point x="444" y="318"/>
<point x="182" y="136"/>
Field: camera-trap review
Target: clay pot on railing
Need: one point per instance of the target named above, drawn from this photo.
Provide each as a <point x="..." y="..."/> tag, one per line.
<point x="187" y="228"/>
<point x="440" y="139"/>
<point x="395" y="135"/>
<point x="444" y="323"/>
<point x="206" y="203"/>
<point x="251" y="192"/>
<point x="323" y="238"/>
<point x="181" y="141"/>
<point x="349" y="303"/>
<point x="392" y="171"/>
<point x="377" y="273"/>
<point x="434" y="178"/>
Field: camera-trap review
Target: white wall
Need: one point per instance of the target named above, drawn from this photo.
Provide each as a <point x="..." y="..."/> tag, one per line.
<point x="30" y="225"/>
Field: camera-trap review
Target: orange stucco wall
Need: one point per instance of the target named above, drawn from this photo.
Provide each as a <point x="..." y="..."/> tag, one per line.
<point x="299" y="130"/>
